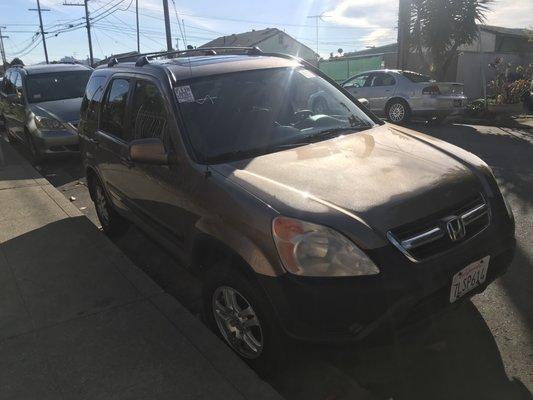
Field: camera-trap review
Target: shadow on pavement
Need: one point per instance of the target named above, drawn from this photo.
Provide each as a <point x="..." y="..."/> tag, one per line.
<point x="456" y="358"/>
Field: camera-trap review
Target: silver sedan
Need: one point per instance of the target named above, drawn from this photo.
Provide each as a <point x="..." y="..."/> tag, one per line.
<point x="399" y="95"/>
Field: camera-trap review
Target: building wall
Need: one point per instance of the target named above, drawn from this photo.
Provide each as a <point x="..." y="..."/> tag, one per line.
<point x="283" y="43"/>
<point x="488" y="43"/>
<point x="470" y="65"/>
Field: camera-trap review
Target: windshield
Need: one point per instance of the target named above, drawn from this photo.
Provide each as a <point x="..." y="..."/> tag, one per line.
<point x="56" y="86"/>
<point x="239" y="115"/>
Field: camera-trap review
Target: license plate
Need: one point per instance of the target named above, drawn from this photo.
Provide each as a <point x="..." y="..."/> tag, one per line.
<point x="457" y="103"/>
<point x="469" y="278"/>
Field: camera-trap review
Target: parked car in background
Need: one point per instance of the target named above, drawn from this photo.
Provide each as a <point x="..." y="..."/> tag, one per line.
<point x="399" y="95"/>
<point x="301" y="224"/>
<point x="40" y="106"/>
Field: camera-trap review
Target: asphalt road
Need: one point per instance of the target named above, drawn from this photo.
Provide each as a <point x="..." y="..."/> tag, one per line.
<point x="483" y="350"/>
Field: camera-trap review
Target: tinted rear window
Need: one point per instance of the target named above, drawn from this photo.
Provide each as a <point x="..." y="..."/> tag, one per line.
<point x="416" y="78"/>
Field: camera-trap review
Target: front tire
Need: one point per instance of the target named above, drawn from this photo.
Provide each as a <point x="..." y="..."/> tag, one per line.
<point x="398" y="112"/>
<point x="36" y="155"/>
<point x="236" y="309"/>
<point x="113" y="224"/>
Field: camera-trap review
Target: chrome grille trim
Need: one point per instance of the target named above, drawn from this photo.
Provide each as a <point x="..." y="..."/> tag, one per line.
<point x="423" y="238"/>
<point x="436" y="232"/>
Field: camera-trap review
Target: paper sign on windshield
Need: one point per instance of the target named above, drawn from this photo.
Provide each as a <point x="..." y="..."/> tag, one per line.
<point x="184" y="94"/>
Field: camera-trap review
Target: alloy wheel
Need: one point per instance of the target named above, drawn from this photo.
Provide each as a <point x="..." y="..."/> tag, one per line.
<point x="101" y="205"/>
<point x="397" y="112"/>
<point x="237" y="322"/>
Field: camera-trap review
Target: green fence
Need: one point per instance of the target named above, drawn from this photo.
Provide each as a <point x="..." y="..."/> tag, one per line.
<point x="341" y="69"/>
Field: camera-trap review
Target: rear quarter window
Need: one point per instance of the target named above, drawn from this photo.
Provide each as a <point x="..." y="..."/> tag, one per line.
<point x="416" y="78"/>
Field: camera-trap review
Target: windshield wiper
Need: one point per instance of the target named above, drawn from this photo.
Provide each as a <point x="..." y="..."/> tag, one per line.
<point x="327" y="133"/>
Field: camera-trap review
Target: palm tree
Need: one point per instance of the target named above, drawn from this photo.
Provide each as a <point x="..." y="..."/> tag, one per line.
<point x="440" y="27"/>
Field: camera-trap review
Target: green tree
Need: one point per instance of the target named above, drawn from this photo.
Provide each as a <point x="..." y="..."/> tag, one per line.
<point x="439" y="27"/>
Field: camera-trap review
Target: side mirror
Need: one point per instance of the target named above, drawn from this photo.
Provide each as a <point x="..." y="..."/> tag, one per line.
<point x="148" y="151"/>
<point x="364" y="102"/>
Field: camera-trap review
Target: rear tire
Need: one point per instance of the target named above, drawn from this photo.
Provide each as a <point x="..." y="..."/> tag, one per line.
<point x="398" y="112"/>
<point x="249" y="318"/>
<point x="113" y="224"/>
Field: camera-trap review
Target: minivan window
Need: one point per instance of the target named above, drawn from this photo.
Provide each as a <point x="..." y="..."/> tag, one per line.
<point x="114" y="108"/>
<point x="239" y="115"/>
<point x="52" y="86"/>
<point x="148" y="113"/>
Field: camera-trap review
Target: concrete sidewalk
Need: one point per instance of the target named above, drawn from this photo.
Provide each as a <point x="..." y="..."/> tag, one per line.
<point x="79" y="321"/>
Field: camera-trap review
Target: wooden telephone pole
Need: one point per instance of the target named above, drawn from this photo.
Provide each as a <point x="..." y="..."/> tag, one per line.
<point x="167" y="25"/>
<point x="40" y="10"/>
<point x="88" y="26"/>
<point x="2" y="48"/>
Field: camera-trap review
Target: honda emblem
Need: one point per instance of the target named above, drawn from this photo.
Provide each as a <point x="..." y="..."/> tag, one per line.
<point x="455" y="228"/>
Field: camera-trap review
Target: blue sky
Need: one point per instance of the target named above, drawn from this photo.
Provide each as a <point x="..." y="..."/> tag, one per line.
<point x="348" y="24"/>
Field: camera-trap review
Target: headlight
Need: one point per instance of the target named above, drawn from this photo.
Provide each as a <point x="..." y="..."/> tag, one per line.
<point x="314" y="250"/>
<point x="48" y="124"/>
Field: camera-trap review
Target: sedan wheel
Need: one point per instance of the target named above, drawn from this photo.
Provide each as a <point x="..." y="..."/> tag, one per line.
<point x="237" y="322"/>
<point x="398" y="112"/>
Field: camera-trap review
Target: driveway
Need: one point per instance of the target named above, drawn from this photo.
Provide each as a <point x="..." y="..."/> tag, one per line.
<point x="484" y="350"/>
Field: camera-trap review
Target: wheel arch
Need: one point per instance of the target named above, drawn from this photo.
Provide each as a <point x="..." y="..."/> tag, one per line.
<point x="397" y="98"/>
<point x="219" y="240"/>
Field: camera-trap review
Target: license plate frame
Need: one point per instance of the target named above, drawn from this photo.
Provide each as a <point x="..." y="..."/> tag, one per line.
<point x="469" y="278"/>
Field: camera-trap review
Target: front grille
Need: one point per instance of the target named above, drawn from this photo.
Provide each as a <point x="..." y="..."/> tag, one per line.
<point x="433" y="235"/>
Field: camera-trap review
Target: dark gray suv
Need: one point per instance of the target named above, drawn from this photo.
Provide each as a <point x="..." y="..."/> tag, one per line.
<point x="303" y="225"/>
<point x="40" y="106"/>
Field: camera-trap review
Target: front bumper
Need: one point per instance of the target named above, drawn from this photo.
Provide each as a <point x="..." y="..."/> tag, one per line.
<point x="57" y="142"/>
<point x="403" y="294"/>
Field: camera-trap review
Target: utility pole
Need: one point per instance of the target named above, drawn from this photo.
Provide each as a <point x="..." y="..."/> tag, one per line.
<point x="404" y="22"/>
<point x="2" y="48"/>
<point x="167" y="25"/>
<point x="184" y="33"/>
<point x="317" y="18"/>
<point x="88" y="26"/>
<point x="137" y="19"/>
<point x="39" y="10"/>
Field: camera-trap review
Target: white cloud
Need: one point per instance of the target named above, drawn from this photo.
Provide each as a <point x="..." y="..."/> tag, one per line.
<point x="378" y="18"/>
<point x="511" y="13"/>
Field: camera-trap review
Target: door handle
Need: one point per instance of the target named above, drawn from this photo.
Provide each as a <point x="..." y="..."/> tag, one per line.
<point x="93" y="141"/>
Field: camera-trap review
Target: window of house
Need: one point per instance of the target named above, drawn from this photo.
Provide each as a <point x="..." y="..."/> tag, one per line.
<point x="114" y="109"/>
<point x="149" y="114"/>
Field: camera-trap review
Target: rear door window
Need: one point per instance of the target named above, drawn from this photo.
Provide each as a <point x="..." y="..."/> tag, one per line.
<point x="381" y="79"/>
<point x="149" y="114"/>
<point x="113" y="116"/>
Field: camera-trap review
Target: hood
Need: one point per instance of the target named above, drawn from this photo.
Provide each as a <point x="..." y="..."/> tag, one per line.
<point x="66" y="110"/>
<point x="383" y="177"/>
